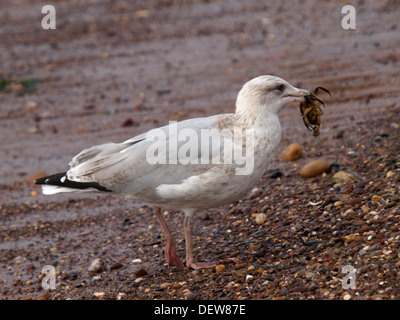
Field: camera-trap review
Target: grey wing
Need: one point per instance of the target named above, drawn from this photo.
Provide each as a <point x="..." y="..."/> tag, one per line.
<point x="167" y="155"/>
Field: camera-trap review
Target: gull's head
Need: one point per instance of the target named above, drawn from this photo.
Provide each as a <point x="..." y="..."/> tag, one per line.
<point x="267" y="94"/>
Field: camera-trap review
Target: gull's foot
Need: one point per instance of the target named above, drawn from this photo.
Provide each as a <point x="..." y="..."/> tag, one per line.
<point x="201" y="265"/>
<point x="172" y="257"/>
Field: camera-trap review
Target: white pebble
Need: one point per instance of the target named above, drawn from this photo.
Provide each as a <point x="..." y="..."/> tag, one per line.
<point x="136" y="260"/>
<point x="96" y="265"/>
<point x="261" y="218"/>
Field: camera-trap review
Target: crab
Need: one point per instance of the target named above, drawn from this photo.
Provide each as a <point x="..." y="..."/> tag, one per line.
<point x="311" y="111"/>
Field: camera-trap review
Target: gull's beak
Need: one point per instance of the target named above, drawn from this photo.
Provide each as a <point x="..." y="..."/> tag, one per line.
<point x="299" y="95"/>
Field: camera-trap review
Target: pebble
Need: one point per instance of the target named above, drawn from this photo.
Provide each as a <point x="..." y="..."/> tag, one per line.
<point x="176" y="286"/>
<point x="220" y="268"/>
<point x="97" y="265"/>
<point x="364" y="208"/>
<point x="44" y="296"/>
<point x="251" y="268"/>
<point x="354" y="201"/>
<point x="140" y="272"/>
<point x="137" y="260"/>
<point x="121" y="296"/>
<point x="376" y="198"/>
<point x="345" y="177"/>
<point x="116" y="265"/>
<point x="292" y="152"/>
<point x="204" y="215"/>
<point x="253" y="247"/>
<point x="315" y="168"/>
<point x="389" y="174"/>
<point x="191" y="296"/>
<point x="98" y="294"/>
<point x="346" y="297"/>
<point x="31" y="105"/>
<point x="261" y="218"/>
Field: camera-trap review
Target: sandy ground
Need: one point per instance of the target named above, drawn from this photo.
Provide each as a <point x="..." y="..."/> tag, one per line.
<point x="114" y="69"/>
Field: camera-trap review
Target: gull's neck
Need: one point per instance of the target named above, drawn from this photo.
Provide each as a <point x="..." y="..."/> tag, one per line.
<point x="254" y="116"/>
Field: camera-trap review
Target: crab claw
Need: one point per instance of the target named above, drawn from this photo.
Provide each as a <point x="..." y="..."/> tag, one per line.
<point x="312" y="96"/>
<point x="323" y="89"/>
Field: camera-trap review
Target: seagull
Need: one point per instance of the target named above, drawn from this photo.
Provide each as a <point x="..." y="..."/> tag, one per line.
<point x="175" y="167"/>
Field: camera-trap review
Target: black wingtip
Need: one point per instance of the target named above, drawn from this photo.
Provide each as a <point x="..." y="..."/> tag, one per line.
<point x="61" y="180"/>
<point x="54" y="178"/>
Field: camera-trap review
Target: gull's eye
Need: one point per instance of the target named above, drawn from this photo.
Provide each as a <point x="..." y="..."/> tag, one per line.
<point x="280" y="88"/>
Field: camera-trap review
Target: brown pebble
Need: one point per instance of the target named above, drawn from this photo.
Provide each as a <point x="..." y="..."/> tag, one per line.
<point x="44" y="296"/>
<point x="354" y="201"/>
<point x="315" y="168"/>
<point x="176" y="286"/>
<point x="292" y="152"/>
<point x="140" y="272"/>
<point x="116" y="265"/>
<point x="253" y="247"/>
<point x="220" y="268"/>
<point x="298" y="289"/>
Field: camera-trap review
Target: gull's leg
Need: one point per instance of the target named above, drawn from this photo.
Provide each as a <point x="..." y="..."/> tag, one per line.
<point x="170" y="251"/>
<point x="190" y="263"/>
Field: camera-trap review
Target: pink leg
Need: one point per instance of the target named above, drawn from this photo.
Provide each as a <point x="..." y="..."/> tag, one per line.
<point x="170" y="251"/>
<point x="187" y="226"/>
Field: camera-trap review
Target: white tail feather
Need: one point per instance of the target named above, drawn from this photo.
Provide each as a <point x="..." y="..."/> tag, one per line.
<point x="49" y="189"/>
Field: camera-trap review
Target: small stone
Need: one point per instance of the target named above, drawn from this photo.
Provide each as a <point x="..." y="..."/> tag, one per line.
<point x="30" y="105"/>
<point x="273" y="174"/>
<point x="97" y="265"/>
<point x="249" y="277"/>
<point x="191" y="296"/>
<point x="376" y="198"/>
<point x="139" y="280"/>
<point x="253" y="247"/>
<point x="251" y="268"/>
<point x="204" y="215"/>
<point x="354" y="201"/>
<point x="116" y="265"/>
<point x="315" y="168"/>
<point x="346" y="297"/>
<point x="345" y="177"/>
<point x="220" y="268"/>
<point x="176" y="286"/>
<point x="44" y="296"/>
<point x="121" y="296"/>
<point x="137" y="260"/>
<point x="141" y="14"/>
<point x="261" y="218"/>
<point x="33" y="193"/>
<point x="292" y="152"/>
<point x="53" y="249"/>
<point x="98" y="294"/>
<point x="389" y="174"/>
<point x="311" y="274"/>
<point x="364" y="208"/>
<point x="140" y="272"/>
<point x="338" y="203"/>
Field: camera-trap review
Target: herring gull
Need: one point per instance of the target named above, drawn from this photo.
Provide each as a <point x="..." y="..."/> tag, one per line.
<point x="177" y="168"/>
